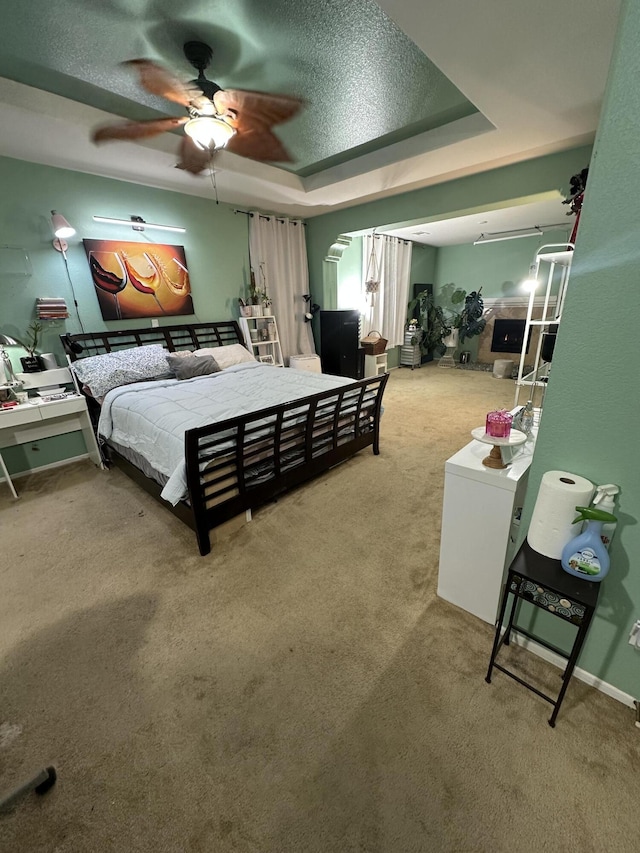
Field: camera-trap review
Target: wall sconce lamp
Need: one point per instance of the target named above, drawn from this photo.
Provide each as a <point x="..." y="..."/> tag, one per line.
<point x="61" y="230"/>
<point x="138" y="224"/>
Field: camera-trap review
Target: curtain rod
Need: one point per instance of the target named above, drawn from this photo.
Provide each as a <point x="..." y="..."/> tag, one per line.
<point x="272" y="216"/>
<point x="389" y="237"/>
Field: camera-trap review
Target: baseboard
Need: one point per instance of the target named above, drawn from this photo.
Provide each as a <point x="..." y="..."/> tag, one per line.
<point x="48" y="467"/>
<point x="581" y="674"/>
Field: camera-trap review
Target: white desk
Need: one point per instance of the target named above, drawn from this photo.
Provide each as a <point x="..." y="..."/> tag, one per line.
<point x="34" y="421"/>
<point x="478" y="527"/>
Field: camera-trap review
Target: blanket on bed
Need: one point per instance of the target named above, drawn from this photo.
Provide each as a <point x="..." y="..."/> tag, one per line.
<point x="152" y="417"/>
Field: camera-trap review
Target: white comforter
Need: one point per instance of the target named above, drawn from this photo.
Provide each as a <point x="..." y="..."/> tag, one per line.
<point x="152" y="417"/>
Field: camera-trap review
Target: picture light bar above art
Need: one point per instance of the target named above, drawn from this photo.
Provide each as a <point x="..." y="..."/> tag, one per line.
<point x="138" y="224"/>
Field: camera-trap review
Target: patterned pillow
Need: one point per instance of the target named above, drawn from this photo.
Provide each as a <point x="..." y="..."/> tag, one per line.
<point x="102" y="373"/>
<point x="227" y="355"/>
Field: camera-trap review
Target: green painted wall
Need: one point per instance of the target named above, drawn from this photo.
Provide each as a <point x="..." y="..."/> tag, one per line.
<point x="216" y="246"/>
<point x="350" y="274"/>
<point x="423" y="265"/>
<point x="499" y="268"/>
<point x="591" y="409"/>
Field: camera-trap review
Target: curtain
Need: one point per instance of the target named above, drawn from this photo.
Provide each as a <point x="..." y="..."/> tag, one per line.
<point x="388" y="314"/>
<point x="278" y="257"/>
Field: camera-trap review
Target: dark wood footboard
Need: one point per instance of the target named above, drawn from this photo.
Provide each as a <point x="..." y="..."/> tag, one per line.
<point x="244" y="462"/>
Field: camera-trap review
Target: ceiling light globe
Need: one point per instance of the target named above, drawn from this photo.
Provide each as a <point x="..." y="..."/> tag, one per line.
<point x="209" y="132"/>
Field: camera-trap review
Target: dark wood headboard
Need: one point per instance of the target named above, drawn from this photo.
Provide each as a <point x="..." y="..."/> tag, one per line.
<point x="174" y="338"/>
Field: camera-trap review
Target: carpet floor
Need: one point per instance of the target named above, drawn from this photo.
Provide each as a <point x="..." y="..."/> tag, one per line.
<point x="301" y="688"/>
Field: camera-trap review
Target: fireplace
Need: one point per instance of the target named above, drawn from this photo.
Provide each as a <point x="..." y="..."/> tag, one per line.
<point x="508" y="336"/>
<point x="506" y="317"/>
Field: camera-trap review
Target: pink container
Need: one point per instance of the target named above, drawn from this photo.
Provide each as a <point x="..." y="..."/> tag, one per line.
<point x="499" y="424"/>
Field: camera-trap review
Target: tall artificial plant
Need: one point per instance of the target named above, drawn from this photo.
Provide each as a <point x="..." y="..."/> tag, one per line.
<point x="437" y="321"/>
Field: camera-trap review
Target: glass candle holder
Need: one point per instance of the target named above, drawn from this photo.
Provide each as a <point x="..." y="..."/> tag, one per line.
<point x="499" y="424"/>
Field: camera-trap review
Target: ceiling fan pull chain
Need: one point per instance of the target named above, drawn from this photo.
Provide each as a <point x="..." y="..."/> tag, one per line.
<point x="212" y="173"/>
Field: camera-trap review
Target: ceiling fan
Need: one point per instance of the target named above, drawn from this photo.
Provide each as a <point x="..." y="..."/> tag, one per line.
<point x="235" y="119"/>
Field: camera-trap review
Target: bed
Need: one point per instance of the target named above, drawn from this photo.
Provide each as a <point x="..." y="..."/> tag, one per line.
<point x="214" y="446"/>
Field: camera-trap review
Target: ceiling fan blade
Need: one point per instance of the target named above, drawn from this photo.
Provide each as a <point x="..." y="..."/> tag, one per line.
<point x="136" y="129"/>
<point x="193" y="158"/>
<point x="258" y="143"/>
<point x="257" y="107"/>
<point x="159" y="81"/>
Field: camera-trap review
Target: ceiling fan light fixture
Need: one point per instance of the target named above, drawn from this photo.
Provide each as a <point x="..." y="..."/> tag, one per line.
<point x="209" y="132"/>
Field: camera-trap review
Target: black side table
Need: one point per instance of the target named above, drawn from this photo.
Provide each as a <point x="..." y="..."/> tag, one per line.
<point x="542" y="582"/>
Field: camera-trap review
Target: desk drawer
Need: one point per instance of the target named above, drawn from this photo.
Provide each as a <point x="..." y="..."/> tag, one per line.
<point x="547" y="599"/>
<point x="60" y="408"/>
<point x="20" y="415"/>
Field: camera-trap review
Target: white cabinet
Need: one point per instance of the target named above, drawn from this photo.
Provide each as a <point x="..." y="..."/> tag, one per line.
<point x="262" y="339"/>
<point x="375" y="365"/>
<point x="480" y="518"/>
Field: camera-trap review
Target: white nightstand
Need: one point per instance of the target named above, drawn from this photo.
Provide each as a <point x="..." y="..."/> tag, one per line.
<point x="34" y="421"/>
<point x="375" y="365"/>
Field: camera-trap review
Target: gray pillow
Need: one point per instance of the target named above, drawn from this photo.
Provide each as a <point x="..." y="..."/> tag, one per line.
<point x="187" y="367"/>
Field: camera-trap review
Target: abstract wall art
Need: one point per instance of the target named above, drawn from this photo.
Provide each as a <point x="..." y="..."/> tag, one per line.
<point x="135" y="280"/>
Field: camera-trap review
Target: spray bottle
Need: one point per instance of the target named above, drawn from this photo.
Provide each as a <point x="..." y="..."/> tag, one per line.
<point x="604" y="500"/>
<point x="585" y="556"/>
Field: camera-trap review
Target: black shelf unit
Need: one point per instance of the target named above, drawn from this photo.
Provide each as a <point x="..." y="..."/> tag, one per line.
<point x="340" y="350"/>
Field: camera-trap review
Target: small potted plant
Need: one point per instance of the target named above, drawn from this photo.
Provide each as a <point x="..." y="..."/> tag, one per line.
<point x="267" y="302"/>
<point x="413" y="327"/>
<point x="258" y="300"/>
<point x="31" y="363"/>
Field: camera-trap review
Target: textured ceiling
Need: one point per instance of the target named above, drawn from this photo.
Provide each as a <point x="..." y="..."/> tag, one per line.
<point x="376" y="88"/>
<point x="400" y="94"/>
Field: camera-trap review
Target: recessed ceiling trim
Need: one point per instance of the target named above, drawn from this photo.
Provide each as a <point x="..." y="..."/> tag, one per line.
<point x="463" y="129"/>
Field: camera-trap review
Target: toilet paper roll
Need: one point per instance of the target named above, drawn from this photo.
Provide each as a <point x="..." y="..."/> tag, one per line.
<point x="551" y="526"/>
